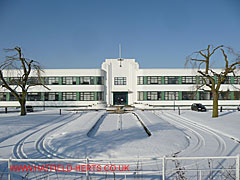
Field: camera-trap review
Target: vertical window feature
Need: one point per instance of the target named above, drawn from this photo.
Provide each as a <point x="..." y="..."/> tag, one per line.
<point x="33" y="81"/>
<point x="188" y="80"/>
<point x="99" y="96"/>
<point x="225" y="95"/>
<point x="171" y="79"/>
<point x="51" y="80"/>
<point x="69" y="80"/>
<point x="227" y="80"/>
<point x="34" y="96"/>
<point x="153" y="95"/>
<point x="86" y="80"/>
<point x="140" y="96"/>
<point x="150" y="96"/>
<point x="171" y="95"/>
<point x="188" y="95"/>
<point x="140" y="80"/>
<point x="237" y="80"/>
<point x="236" y="95"/>
<point x="14" y="80"/>
<point x="69" y="96"/>
<point x="99" y="80"/>
<point x="3" y="96"/>
<point x="120" y="81"/>
<point x="86" y="96"/>
<point x="13" y="98"/>
<point x="205" y="95"/>
<point x="52" y="96"/>
<point x="154" y="80"/>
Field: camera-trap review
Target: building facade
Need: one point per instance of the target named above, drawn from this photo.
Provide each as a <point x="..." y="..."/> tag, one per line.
<point x="121" y="82"/>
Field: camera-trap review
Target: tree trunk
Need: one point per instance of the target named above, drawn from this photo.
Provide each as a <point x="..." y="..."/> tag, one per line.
<point x="215" y="104"/>
<point x="23" y="107"/>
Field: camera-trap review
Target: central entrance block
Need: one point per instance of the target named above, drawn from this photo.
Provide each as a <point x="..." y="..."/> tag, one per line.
<point x="120" y="98"/>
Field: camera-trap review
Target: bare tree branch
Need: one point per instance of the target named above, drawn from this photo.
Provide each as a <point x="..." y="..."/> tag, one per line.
<point x="17" y="63"/>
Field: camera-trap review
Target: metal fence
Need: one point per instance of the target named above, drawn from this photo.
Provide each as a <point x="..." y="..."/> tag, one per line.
<point x="164" y="168"/>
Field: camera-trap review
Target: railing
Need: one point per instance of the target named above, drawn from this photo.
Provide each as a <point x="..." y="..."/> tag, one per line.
<point x="164" y="168"/>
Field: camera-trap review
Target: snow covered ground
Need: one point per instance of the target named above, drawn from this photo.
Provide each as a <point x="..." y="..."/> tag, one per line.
<point x="99" y="134"/>
<point x="118" y="135"/>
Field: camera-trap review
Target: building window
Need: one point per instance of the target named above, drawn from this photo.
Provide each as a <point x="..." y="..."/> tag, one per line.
<point x="140" y="80"/>
<point x="236" y="95"/>
<point x="87" y="80"/>
<point x="51" y="96"/>
<point x="34" y="96"/>
<point x="140" y="96"/>
<point x="171" y="79"/>
<point x="153" y="95"/>
<point x="3" y="96"/>
<point x="33" y="81"/>
<point x="171" y="95"/>
<point x="237" y="80"/>
<point x="188" y="80"/>
<point x="99" y="96"/>
<point x="14" y="80"/>
<point x="227" y="80"/>
<point x="69" y="80"/>
<point x="51" y="80"/>
<point x="154" y="80"/>
<point x="205" y="95"/>
<point x="188" y="95"/>
<point x="120" y="81"/>
<point x="13" y="98"/>
<point x="224" y="95"/>
<point x="99" y="80"/>
<point x="69" y="96"/>
<point x="86" y="96"/>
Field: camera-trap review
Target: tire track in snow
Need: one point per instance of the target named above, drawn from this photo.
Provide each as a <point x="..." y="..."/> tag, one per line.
<point x="18" y="151"/>
<point x="41" y="148"/>
<point x="46" y="150"/>
<point x="200" y="140"/>
<point x="221" y="143"/>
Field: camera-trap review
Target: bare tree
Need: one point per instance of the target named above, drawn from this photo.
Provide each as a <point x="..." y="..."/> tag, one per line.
<point x="202" y="61"/>
<point x="23" y="69"/>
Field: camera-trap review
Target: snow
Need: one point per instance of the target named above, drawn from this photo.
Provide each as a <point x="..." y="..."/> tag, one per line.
<point x="99" y="134"/>
<point x="114" y="139"/>
<point x="227" y="123"/>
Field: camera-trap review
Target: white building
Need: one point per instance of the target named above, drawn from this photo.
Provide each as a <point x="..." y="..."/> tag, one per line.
<point x="121" y="82"/>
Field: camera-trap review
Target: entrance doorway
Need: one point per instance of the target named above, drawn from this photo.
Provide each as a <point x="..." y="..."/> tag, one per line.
<point x="120" y="98"/>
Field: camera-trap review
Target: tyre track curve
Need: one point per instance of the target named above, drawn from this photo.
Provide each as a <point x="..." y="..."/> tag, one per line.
<point x="18" y="151"/>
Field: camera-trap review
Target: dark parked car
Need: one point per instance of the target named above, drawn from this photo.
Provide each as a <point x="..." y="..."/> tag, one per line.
<point x="198" y="107"/>
<point x="29" y="108"/>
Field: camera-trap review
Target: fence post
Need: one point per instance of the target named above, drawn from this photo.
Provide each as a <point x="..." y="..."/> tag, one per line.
<point x="237" y="167"/>
<point x="87" y="172"/>
<point x="9" y="169"/>
<point x="163" y="168"/>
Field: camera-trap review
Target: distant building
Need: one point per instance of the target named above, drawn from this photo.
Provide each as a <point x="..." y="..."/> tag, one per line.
<point x="121" y="82"/>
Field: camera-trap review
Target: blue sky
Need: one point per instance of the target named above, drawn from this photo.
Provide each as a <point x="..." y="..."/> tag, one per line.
<point x="82" y="33"/>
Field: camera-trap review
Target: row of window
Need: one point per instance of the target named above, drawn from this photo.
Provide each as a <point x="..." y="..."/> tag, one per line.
<point x="82" y="80"/>
<point x="141" y="80"/>
<point x="56" y="96"/>
<point x="185" y="95"/>
<point x="147" y="80"/>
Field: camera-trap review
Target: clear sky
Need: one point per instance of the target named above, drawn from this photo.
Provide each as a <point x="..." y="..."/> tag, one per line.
<point x="82" y="33"/>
